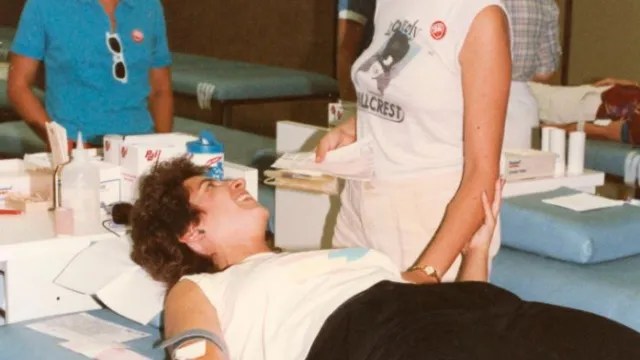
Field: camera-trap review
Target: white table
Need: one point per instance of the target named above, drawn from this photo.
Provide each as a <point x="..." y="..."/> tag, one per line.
<point x="306" y="220"/>
<point x="32" y="256"/>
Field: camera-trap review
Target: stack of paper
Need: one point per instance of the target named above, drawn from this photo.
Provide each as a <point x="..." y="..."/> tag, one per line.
<point x="354" y="162"/>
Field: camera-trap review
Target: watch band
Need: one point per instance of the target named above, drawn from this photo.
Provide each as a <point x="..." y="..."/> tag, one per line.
<point x="428" y="270"/>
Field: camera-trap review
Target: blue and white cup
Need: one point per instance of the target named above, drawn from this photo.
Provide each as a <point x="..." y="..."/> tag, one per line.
<point x="209" y="152"/>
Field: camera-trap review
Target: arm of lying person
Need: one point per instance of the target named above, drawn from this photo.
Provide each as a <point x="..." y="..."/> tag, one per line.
<point x="475" y="255"/>
<point x="188" y="311"/>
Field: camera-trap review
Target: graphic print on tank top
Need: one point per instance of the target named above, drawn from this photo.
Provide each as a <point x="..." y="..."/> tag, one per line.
<point x="379" y="70"/>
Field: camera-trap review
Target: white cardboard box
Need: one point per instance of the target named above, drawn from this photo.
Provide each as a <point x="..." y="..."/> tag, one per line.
<point x="140" y="152"/>
<point x="528" y="164"/>
<point x="110" y="183"/>
<point x="15" y="178"/>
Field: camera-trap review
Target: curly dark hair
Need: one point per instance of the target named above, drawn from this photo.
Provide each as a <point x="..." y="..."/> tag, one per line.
<point x="160" y="216"/>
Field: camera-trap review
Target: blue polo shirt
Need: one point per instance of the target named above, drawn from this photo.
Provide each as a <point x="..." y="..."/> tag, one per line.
<point x="82" y="93"/>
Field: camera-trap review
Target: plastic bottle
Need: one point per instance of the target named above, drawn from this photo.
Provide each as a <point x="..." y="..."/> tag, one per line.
<point x="80" y="191"/>
<point x="208" y="151"/>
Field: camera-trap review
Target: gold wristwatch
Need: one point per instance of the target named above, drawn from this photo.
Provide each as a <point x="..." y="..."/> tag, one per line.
<point x="427" y="269"/>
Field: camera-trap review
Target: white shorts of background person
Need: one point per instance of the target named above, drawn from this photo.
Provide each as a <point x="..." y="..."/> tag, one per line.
<point x="398" y="217"/>
<point x="522" y="116"/>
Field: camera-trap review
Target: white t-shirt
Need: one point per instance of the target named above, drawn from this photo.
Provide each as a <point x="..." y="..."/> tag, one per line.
<point x="272" y="306"/>
<point x="409" y="85"/>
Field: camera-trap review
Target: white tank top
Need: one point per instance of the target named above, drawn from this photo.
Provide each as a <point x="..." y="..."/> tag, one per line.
<point x="409" y="85"/>
<point x="272" y="306"/>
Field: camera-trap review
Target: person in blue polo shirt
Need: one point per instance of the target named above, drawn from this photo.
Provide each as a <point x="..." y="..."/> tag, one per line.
<point x="106" y="67"/>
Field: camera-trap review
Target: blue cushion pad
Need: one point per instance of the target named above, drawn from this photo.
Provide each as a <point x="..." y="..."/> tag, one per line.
<point x="610" y="289"/>
<point x="19" y="342"/>
<point x="607" y="156"/>
<point x="583" y="237"/>
<point x="236" y="80"/>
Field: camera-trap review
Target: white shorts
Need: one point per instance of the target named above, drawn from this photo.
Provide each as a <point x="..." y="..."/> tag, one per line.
<point x="398" y="218"/>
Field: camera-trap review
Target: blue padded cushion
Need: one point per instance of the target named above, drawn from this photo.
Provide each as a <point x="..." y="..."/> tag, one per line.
<point x="606" y="156"/>
<point x="610" y="289"/>
<point x="582" y="237"/>
<point x="19" y="342"/>
<point x="236" y="80"/>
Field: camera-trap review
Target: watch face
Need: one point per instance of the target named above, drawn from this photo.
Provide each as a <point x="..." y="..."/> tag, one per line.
<point x="430" y="270"/>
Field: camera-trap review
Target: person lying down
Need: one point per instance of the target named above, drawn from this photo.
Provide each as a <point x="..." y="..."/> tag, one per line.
<point x="609" y="109"/>
<point x="229" y="291"/>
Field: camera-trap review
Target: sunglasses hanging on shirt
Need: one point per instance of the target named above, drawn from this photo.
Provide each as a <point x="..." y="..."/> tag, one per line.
<point x="119" y="68"/>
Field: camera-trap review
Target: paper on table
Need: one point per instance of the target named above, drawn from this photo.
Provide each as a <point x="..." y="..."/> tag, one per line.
<point x="90" y="348"/>
<point x="354" y="161"/>
<point x="120" y="354"/>
<point x="78" y="327"/>
<point x="134" y="295"/>
<point x="57" y="136"/>
<point x="96" y="266"/>
<point x="583" y="202"/>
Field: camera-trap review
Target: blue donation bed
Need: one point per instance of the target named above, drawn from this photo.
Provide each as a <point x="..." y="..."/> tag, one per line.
<point x="231" y="82"/>
<point x="585" y="260"/>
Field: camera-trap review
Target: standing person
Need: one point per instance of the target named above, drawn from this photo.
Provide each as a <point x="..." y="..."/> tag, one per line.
<point x="536" y="57"/>
<point x="355" y="30"/>
<point x="432" y="95"/>
<point x="106" y="66"/>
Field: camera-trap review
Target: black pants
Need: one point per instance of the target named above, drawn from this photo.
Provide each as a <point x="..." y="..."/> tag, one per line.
<point x="472" y="320"/>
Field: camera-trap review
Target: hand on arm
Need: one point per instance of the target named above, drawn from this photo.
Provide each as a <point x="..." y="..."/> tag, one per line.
<point x="475" y="255"/>
<point x="342" y="135"/>
<point x="161" y="99"/>
<point x="486" y="74"/>
<point x="22" y="75"/>
<point x="187" y="308"/>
